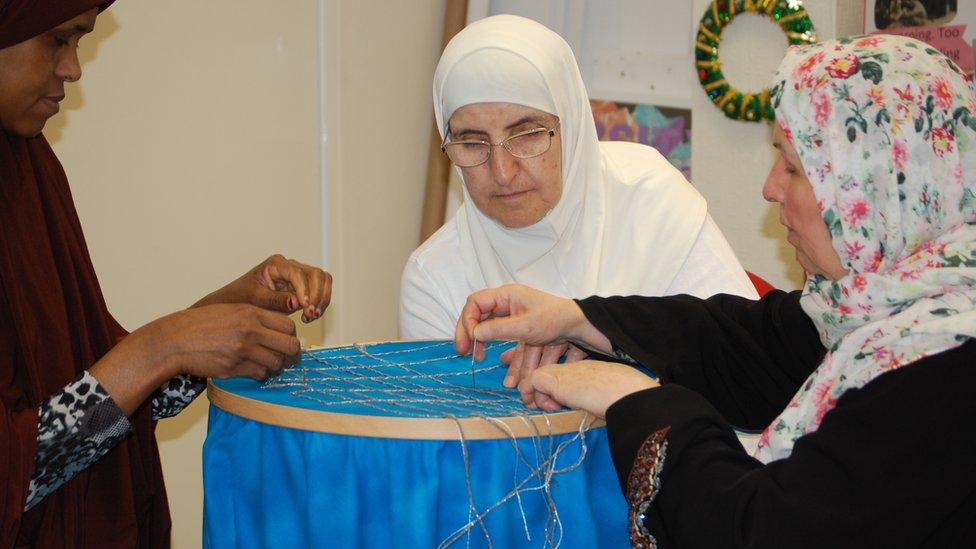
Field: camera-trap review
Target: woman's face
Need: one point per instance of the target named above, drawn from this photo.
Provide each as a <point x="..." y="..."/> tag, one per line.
<point x="33" y="73"/>
<point x="787" y="185"/>
<point x="516" y="192"/>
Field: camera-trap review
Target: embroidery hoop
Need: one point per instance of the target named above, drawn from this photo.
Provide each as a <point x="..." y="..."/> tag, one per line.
<point x="531" y="443"/>
<point x="789" y="15"/>
<point x="532" y="424"/>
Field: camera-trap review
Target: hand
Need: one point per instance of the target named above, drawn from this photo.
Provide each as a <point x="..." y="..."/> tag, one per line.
<point x="279" y="284"/>
<point x="223" y="341"/>
<point x="522" y="313"/>
<point x="590" y="385"/>
<point x="523" y="359"/>
<point x="212" y="341"/>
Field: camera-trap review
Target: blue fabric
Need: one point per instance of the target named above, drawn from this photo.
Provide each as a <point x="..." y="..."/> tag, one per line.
<point x="395" y="371"/>
<point x="267" y="486"/>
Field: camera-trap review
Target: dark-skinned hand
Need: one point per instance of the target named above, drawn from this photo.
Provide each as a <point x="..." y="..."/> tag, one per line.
<point x="279" y="284"/>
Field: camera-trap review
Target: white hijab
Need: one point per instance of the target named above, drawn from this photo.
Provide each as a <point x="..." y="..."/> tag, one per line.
<point x="626" y="220"/>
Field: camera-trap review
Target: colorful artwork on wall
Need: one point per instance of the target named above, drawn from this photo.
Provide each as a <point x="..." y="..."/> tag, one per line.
<point x="666" y="129"/>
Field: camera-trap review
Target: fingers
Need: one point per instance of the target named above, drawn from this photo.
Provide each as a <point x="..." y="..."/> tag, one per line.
<point x="279" y="270"/>
<point x="286" y="345"/>
<point x="462" y="339"/>
<point x="541" y="386"/>
<point x="263" y="363"/>
<point x="512" y="377"/>
<point x="320" y="290"/>
<point x="479" y="306"/>
<point x="319" y="285"/>
<point x="275" y="321"/>
<point x="471" y="315"/>
<point x="507" y="356"/>
<point x="284" y="302"/>
<point x="274" y="345"/>
<point x="547" y="403"/>
<point x="277" y="334"/>
<point x="552" y="353"/>
<point x="588" y="385"/>
<point x="505" y="328"/>
<point x="531" y="356"/>
<point x="575" y="354"/>
<point x="526" y="358"/>
<point x="312" y="286"/>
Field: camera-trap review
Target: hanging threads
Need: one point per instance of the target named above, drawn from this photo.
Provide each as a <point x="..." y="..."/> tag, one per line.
<point x="361" y="376"/>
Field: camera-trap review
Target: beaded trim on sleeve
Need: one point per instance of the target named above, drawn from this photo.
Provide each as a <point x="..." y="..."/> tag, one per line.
<point x="643" y="484"/>
<point x="622" y="355"/>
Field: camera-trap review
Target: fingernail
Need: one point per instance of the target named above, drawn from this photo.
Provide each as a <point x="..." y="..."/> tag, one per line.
<point x="509" y="381"/>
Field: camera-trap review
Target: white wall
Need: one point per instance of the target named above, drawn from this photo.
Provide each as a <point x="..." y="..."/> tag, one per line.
<point x="191" y="144"/>
<point x="730" y="159"/>
<point x="381" y="58"/>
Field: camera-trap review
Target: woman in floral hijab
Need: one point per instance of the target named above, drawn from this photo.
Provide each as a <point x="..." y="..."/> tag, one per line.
<point x="884" y="129"/>
<point x="861" y="383"/>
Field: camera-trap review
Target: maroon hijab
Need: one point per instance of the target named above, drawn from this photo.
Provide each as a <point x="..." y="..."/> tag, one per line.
<point x="53" y="325"/>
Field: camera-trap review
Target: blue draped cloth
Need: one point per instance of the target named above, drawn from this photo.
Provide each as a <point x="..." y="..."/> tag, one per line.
<point x="270" y="486"/>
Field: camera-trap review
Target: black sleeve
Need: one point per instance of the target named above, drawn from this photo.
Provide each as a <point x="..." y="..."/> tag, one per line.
<point x="893" y="465"/>
<point x="746" y="357"/>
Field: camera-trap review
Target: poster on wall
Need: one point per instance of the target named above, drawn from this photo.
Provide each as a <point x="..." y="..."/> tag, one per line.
<point x="666" y="129"/>
<point x="948" y="25"/>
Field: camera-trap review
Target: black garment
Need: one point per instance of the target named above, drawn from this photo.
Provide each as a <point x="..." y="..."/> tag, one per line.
<point x="893" y="465"/>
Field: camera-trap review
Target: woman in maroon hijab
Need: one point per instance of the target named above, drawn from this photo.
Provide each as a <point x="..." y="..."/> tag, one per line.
<point x="79" y="397"/>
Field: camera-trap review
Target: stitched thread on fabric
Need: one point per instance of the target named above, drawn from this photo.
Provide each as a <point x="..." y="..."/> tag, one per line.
<point x="396" y="383"/>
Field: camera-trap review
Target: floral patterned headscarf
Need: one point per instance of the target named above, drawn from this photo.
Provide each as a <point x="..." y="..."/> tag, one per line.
<point x="885" y="128"/>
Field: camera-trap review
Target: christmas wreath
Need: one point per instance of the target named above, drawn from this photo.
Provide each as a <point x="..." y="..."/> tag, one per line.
<point x="788" y="14"/>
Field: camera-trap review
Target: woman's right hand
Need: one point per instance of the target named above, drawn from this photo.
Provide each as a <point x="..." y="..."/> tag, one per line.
<point x="514" y="312"/>
<point x="541" y="323"/>
<point x="223" y="340"/>
<point x="211" y="341"/>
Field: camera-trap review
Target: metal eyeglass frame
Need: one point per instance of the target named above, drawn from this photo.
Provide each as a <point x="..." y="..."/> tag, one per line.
<point x="502" y="143"/>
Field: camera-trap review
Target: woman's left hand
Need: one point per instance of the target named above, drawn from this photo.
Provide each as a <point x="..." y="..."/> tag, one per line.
<point x="523" y="359"/>
<point x="279" y="284"/>
<point x="589" y="385"/>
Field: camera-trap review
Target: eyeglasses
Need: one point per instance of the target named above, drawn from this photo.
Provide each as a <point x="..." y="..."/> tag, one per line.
<point x="475" y="152"/>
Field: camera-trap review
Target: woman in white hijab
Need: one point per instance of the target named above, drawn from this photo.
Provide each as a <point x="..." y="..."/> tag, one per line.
<point x="545" y="203"/>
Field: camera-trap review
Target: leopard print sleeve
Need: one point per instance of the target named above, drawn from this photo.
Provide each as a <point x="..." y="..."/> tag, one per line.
<point x="75" y="428"/>
<point x="176" y="394"/>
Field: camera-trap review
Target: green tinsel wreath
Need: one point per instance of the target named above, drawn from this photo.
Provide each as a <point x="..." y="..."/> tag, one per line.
<point x="788" y="14"/>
